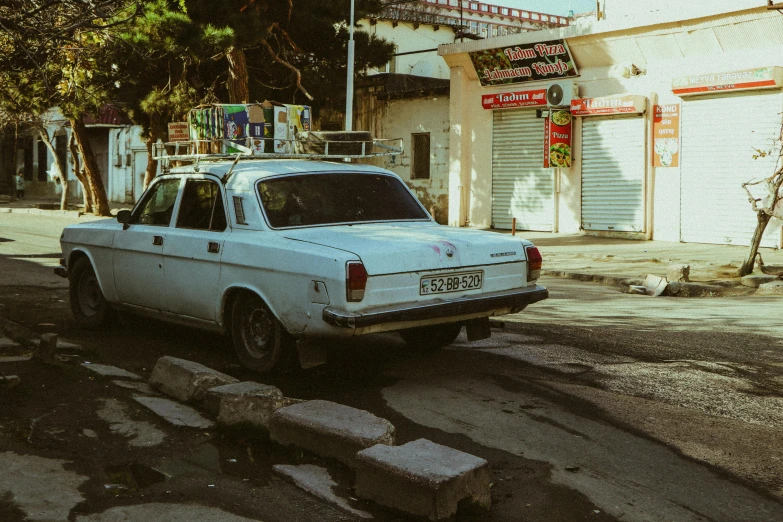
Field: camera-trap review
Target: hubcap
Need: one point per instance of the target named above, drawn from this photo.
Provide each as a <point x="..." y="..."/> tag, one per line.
<point x="89" y="295"/>
<point x="257" y="333"/>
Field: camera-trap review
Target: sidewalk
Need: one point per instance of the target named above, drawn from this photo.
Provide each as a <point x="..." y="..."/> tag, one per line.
<point x="51" y="207"/>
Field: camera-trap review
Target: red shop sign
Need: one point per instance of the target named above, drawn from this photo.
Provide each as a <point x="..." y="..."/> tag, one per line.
<point x="557" y="139"/>
<point x="507" y="100"/>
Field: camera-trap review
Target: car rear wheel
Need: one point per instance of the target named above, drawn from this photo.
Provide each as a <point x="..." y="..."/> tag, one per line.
<point x="432" y="337"/>
<point x="88" y="304"/>
<point x="260" y="341"/>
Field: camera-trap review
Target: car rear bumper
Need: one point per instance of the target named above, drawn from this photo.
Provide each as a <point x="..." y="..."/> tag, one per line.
<point x="511" y="300"/>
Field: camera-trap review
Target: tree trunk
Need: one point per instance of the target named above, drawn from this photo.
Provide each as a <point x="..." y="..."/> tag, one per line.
<point x="238" y="91"/>
<point x="99" y="199"/>
<point x="152" y="163"/>
<point x="60" y="173"/>
<point x="80" y="175"/>
<point x="763" y="220"/>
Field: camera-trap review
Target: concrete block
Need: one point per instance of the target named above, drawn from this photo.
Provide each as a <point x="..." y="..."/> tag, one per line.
<point x="174" y="412"/>
<point x="8" y="382"/>
<point x="678" y="273"/>
<point x="756" y="280"/>
<point x="212" y="397"/>
<point x="186" y="380"/>
<point x="422" y="478"/>
<point x="329" y="429"/>
<point x="46" y="348"/>
<point x="772" y="288"/>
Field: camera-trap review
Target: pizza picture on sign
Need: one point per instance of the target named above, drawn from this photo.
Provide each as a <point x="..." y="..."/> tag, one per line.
<point x="560" y="155"/>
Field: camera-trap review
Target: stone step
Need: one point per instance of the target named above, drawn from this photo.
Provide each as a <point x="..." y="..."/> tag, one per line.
<point x="329" y="429"/>
<point x="186" y="380"/>
<point x="422" y="478"/>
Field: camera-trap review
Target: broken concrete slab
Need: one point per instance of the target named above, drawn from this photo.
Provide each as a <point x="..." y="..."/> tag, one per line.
<point x="756" y="280"/>
<point x="8" y="382"/>
<point x="110" y="371"/>
<point x="655" y="285"/>
<point x="318" y="482"/>
<point x="422" y="478"/>
<point x="213" y="396"/>
<point x="174" y="412"/>
<point x="62" y="345"/>
<point x="186" y="380"/>
<point x="772" y="288"/>
<point x="329" y="429"/>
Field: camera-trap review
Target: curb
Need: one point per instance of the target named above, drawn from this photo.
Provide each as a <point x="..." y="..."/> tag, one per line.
<point x="40" y="212"/>
<point x="673" y="290"/>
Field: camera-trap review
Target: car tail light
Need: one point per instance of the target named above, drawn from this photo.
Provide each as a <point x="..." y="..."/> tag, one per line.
<point x="534" y="262"/>
<point x="355" y="280"/>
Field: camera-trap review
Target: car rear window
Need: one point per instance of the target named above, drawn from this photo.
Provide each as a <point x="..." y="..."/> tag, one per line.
<point x="322" y="199"/>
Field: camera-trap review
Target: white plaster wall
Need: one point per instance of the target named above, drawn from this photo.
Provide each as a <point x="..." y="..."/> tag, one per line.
<point x="718" y="44"/>
<point x="403" y="117"/>
<point x="407" y="38"/>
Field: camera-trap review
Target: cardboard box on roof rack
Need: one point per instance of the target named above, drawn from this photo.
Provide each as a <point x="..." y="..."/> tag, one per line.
<point x="263" y="127"/>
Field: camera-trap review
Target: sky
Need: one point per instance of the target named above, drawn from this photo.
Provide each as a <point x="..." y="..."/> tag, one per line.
<point x="557" y="7"/>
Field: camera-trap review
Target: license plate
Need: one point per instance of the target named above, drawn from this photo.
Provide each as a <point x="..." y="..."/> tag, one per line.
<point x="444" y="283"/>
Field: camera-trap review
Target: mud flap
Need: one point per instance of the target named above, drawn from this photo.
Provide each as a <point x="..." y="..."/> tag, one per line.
<point x="311" y="353"/>
<point x="478" y="329"/>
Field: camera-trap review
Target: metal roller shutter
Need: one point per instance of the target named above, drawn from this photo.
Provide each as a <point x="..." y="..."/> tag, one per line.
<point x="521" y="187"/>
<point x="720" y="135"/>
<point x="613" y="159"/>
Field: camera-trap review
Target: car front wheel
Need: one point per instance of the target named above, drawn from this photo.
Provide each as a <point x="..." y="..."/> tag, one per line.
<point x="432" y="337"/>
<point x="88" y="305"/>
<point x="260" y="341"/>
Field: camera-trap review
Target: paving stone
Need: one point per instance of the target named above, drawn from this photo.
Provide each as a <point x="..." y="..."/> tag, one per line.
<point x="15" y="358"/>
<point x="9" y="381"/>
<point x="174" y="412"/>
<point x="213" y="396"/>
<point x="422" y="478"/>
<point x="318" y="482"/>
<point x="141" y="387"/>
<point x="5" y="342"/>
<point x="62" y="346"/>
<point x="755" y="280"/>
<point x="186" y="380"/>
<point x="773" y="288"/>
<point x="329" y="429"/>
<point x="110" y="371"/>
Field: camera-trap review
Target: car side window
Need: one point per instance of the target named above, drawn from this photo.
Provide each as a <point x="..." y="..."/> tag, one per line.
<point x="202" y="206"/>
<point x="158" y="205"/>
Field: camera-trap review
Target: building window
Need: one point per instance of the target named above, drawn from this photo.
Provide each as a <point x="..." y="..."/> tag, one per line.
<point x="504" y="11"/>
<point x="545" y="18"/>
<point x="420" y="162"/>
<point x="484" y="7"/>
<point x="514" y="12"/>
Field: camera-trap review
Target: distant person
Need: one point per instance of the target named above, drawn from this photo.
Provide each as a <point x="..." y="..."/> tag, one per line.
<point x="20" y="185"/>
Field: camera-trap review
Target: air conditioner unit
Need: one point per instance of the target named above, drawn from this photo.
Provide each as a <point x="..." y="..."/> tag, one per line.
<point x="561" y="93"/>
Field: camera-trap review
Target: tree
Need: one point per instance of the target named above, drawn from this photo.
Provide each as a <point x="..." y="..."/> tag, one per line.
<point x="47" y="57"/>
<point x="767" y="206"/>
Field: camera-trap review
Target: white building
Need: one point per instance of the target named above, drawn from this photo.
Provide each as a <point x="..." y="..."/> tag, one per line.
<point x="713" y="71"/>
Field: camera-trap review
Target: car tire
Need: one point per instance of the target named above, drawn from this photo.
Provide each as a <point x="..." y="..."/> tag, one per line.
<point x="260" y="341"/>
<point x="88" y="305"/>
<point x="432" y="337"/>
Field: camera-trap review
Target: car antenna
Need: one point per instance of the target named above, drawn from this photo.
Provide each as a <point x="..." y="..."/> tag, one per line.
<point x="231" y="170"/>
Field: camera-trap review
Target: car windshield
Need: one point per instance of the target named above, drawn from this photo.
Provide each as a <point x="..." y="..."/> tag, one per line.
<point x="322" y="199"/>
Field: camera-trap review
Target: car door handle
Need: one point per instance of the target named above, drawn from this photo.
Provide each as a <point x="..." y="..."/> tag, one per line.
<point x="213" y="247"/>
<point x="157" y="240"/>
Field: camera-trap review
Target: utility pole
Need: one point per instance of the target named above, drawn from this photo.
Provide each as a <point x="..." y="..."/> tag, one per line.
<point x="349" y="82"/>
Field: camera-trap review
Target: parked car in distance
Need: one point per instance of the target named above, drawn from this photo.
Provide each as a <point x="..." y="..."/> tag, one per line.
<point x="269" y="251"/>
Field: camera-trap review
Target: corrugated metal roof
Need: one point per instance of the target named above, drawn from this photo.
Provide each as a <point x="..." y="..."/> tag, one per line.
<point x="108" y="115"/>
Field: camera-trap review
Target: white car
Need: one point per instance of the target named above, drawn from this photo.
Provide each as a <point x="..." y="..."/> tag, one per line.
<point x="270" y="251"/>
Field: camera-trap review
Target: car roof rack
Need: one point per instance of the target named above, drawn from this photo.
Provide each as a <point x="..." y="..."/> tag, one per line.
<point x="308" y="147"/>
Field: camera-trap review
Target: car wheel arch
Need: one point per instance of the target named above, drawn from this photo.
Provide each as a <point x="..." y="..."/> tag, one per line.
<point x="227" y="303"/>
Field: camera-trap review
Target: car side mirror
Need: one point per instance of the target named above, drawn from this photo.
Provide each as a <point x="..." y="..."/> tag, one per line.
<point x="124" y="217"/>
